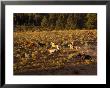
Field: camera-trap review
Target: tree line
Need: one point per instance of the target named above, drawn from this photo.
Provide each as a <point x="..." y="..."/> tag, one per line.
<point x="57" y="21"/>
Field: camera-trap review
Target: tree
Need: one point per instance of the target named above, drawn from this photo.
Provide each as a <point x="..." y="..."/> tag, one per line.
<point x="70" y="22"/>
<point x="37" y="20"/>
<point x="52" y="21"/>
<point x="60" y="23"/>
<point x="79" y="20"/>
<point x="44" y="22"/>
<point x="91" y="22"/>
<point x="75" y="21"/>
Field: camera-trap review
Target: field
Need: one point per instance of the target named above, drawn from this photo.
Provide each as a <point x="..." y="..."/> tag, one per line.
<point x="31" y="55"/>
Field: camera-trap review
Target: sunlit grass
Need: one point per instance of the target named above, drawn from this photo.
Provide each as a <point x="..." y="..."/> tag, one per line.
<point x="29" y="56"/>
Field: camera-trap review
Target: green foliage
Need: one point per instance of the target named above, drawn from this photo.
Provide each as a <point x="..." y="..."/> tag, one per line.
<point x="52" y="21"/>
<point x="58" y="21"/>
<point x="44" y="22"/>
<point x="91" y="22"/>
<point x="70" y="22"/>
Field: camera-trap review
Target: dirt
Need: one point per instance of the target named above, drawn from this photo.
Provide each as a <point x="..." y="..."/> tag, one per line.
<point x="70" y="69"/>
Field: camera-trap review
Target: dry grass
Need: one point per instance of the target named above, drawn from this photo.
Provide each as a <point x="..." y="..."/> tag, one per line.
<point x="30" y="57"/>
